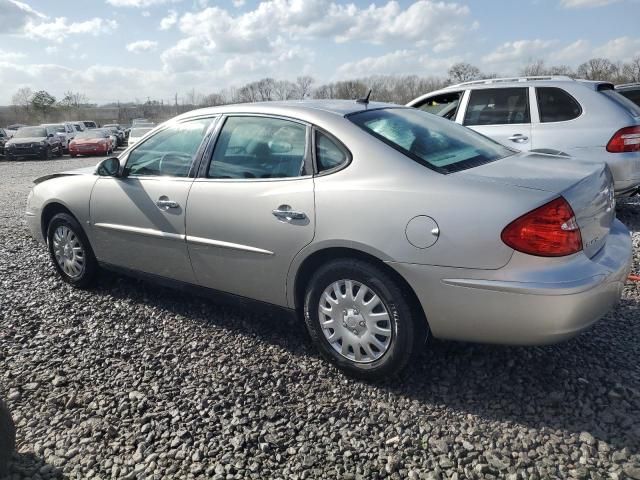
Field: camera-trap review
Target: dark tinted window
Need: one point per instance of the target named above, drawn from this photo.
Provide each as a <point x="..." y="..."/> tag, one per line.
<point x="498" y="106"/>
<point x="432" y="141"/>
<point x="622" y="101"/>
<point x="259" y="147"/>
<point x="329" y="154"/>
<point x="445" y="105"/>
<point x="633" y="95"/>
<point x="556" y="105"/>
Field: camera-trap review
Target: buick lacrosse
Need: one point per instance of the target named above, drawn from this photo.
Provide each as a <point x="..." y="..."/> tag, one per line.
<point x="379" y="225"/>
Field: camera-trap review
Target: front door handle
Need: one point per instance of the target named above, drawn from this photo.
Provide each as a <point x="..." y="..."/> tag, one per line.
<point x="164" y="203"/>
<point x="518" y="138"/>
<point x="284" y="212"/>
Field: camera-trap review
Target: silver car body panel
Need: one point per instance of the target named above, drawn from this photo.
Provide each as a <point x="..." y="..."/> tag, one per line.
<point x="224" y="235"/>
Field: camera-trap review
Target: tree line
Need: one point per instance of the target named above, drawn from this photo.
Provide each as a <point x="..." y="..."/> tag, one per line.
<point x="40" y="106"/>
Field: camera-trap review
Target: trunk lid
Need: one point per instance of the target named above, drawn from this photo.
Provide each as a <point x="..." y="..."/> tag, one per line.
<point x="588" y="188"/>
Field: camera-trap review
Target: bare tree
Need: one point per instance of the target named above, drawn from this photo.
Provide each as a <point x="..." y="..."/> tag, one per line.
<point x="534" y="69"/>
<point x="73" y="99"/>
<point x="464" y="72"/>
<point x="631" y="70"/>
<point x="284" y="90"/>
<point x="598" y="69"/>
<point x="22" y="98"/>
<point x="304" y="86"/>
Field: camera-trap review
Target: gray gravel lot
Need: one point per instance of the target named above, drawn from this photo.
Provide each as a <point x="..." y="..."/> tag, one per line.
<point x="132" y="380"/>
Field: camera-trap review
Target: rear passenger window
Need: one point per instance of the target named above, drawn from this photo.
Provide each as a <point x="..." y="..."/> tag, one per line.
<point x="556" y="105"/>
<point x="445" y="105"/>
<point x="498" y="106"/>
<point x="329" y="154"/>
<point x="259" y="147"/>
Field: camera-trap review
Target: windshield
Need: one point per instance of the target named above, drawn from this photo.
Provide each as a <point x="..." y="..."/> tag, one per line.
<point x="139" y="132"/>
<point x="27" y="132"/>
<point x="91" y="134"/>
<point x="434" y="142"/>
<point x="57" y="128"/>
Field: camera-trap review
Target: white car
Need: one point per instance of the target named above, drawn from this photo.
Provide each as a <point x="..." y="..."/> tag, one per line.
<point x="64" y="131"/>
<point x="137" y="133"/>
<point x="553" y="115"/>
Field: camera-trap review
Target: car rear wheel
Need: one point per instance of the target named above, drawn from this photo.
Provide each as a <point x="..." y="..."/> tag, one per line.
<point x="47" y="154"/>
<point x="7" y="438"/>
<point x="70" y="251"/>
<point x="360" y="319"/>
<point x="59" y="151"/>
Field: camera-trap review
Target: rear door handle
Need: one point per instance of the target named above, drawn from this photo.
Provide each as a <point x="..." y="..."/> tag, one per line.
<point x="284" y="212"/>
<point x="518" y="138"/>
<point x="164" y="203"/>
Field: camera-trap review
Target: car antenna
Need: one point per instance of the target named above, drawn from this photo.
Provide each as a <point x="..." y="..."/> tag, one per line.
<point x="364" y="100"/>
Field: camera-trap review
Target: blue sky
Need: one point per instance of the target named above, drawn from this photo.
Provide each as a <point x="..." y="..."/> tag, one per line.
<point x="133" y="49"/>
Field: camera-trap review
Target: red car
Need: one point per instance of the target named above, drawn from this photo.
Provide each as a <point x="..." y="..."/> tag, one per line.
<point x="90" y="142"/>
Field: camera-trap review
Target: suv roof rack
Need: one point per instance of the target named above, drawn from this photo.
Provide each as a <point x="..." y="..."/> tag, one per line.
<point x="489" y="81"/>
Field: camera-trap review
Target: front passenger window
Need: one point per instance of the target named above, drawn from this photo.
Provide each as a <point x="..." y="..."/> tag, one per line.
<point x="259" y="147"/>
<point x="169" y="152"/>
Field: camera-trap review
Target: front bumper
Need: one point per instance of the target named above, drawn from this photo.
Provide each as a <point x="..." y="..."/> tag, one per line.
<point x="26" y="151"/>
<point x="521" y="303"/>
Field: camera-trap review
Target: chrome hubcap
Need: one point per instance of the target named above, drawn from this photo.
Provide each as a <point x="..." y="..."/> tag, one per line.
<point x="68" y="251"/>
<point x="355" y="321"/>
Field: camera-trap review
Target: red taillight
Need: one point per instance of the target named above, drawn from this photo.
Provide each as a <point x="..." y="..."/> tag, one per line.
<point x="625" y="140"/>
<point x="548" y="231"/>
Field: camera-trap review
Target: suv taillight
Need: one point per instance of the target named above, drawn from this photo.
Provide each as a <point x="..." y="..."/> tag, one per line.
<point x="548" y="231"/>
<point x="625" y="140"/>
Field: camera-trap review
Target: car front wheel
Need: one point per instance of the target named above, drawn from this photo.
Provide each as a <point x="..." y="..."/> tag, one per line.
<point x="360" y="319"/>
<point x="70" y="251"/>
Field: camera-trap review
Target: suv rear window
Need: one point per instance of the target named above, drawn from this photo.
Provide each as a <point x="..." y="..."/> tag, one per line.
<point x="445" y="105"/>
<point x="432" y="141"/>
<point x="633" y="95"/>
<point x="498" y="106"/>
<point x="556" y="105"/>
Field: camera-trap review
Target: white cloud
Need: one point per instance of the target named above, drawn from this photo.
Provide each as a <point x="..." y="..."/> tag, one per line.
<point x="9" y="56"/>
<point x="169" y="21"/>
<point x="146" y="13"/>
<point x="586" y="3"/>
<point x="139" y="3"/>
<point x="396" y="63"/>
<point x="58" y="29"/>
<point x="238" y="3"/>
<point x="623" y="48"/>
<point x="142" y="46"/>
<point x="15" y="15"/>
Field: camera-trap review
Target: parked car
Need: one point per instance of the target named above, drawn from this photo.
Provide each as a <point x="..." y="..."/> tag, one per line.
<point x="78" y="126"/>
<point x="65" y="131"/>
<point x="630" y="91"/>
<point x="379" y="224"/>
<point x="15" y="127"/>
<point x="4" y="137"/>
<point x="40" y="142"/>
<point x="112" y="136"/>
<point x="89" y="124"/>
<point x="137" y="133"/>
<point x="117" y="131"/>
<point x="579" y="118"/>
<point x="91" y="142"/>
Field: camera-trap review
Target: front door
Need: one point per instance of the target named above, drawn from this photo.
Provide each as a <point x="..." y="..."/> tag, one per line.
<point x="139" y="218"/>
<point x="253" y="211"/>
<point x="502" y="114"/>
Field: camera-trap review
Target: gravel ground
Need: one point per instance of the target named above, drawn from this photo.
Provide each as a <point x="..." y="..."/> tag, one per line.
<point x="132" y="380"/>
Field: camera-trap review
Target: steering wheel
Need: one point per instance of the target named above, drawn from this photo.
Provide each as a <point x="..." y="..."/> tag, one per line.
<point x="174" y="163"/>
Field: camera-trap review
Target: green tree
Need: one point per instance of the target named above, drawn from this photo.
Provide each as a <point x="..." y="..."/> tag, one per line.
<point x="42" y="102"/>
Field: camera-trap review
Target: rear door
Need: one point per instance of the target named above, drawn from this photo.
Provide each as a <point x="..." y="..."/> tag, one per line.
<point x="252" y="209"/>
<point x="503" y="114"/>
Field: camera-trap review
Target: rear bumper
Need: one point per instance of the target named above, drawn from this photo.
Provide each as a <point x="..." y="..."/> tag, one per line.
<point x="523" y="304"/>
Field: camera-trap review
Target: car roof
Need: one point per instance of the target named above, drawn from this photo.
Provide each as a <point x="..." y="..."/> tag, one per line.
<point x="628" y="86"/>
<point x="552" y="80"/>
<point x="293" y="108"/>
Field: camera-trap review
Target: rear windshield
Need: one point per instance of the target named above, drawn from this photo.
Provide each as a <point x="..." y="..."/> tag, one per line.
<point x="432" y="141"/>
<point x="26" y="132"/>
<point x="624" y="102"/>
<point x="57" y="128"/>
<point x="633" y="95"/>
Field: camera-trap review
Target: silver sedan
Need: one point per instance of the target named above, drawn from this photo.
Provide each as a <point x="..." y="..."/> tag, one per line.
<point x="379" y="224"/>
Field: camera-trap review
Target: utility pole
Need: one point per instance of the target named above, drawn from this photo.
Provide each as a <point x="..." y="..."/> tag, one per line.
<point x="176" y="99"/>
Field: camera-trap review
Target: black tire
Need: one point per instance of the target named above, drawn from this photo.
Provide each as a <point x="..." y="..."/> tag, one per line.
<point x="408" y="328"/>
<point x="10" y="157"/>
<point x="59" y="151"/>
<point x="47" y="154"/>
<point x="7" y="438"/>
<point x="90" y="269"/>
<point x="73" y="155"/>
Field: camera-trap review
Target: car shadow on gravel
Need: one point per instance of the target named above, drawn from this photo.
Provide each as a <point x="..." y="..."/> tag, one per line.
<point x="588" y="384"/>
<point x="28" y="466"/>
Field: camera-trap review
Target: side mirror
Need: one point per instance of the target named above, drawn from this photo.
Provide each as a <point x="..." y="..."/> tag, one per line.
<point x="50" y="135"/>
<point x="109" y="167"/>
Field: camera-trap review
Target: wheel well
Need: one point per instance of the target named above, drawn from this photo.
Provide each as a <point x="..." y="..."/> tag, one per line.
<point x="317" y="259"/>
<point x="49" y="212"/>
